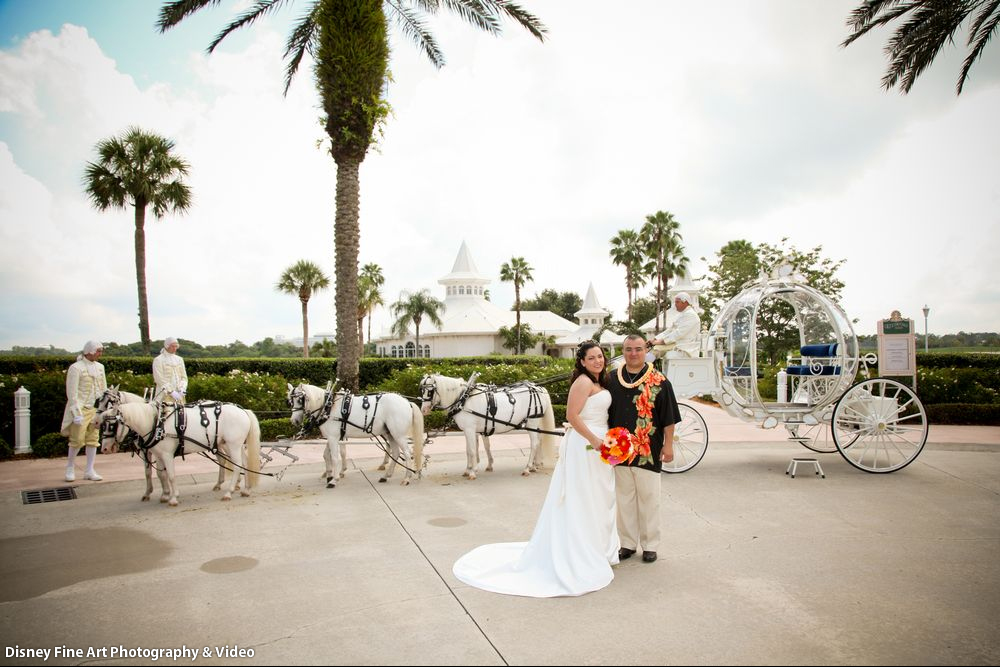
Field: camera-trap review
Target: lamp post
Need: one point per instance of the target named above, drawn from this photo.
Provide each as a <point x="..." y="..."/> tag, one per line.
<point x="926" y="311"/>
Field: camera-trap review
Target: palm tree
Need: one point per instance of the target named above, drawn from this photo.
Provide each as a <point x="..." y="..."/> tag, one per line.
<point x="349" y="42"/>
<point x="929" y="25"/>
<point x="518" y="272"/>
<point x="661" y="241"/>
<point x="302" y="279"/>
<point x="370" y="296"/>
<point x="138" y="169"/>
<point x="413" y="308"/>
<point x="627" y="251"/>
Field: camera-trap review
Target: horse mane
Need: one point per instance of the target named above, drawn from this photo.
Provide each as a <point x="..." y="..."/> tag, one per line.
<point x="314" y="396"/>
<point x="129" y="397"/>
<point x="448" y="387"/>
<point x="139" y="416"/>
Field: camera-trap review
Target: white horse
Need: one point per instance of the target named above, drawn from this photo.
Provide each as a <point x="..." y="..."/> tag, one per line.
<point x="234" y="428"/>
<point x="389" y="416"/>
<point x="115" y="434"/>
<point x="485" y="410"/>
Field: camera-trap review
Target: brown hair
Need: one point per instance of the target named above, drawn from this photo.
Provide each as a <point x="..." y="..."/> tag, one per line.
<point x="578" y="369"/>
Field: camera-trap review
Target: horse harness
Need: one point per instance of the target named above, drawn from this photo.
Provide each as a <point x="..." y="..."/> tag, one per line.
<point x="345" y="413"/>
<point x="535" y="407"/>
<point x="180" y="425"/>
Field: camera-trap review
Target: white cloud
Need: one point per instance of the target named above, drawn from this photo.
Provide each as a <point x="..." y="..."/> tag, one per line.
<point x="757" y="126"/>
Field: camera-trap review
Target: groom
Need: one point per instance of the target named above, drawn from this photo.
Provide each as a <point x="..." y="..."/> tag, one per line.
<point x="643" y="402"/>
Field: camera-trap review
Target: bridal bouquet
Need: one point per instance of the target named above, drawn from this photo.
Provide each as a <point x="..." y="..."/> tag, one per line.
<point x="618" y="447"/>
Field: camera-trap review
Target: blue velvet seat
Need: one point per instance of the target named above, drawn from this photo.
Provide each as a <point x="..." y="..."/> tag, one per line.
<point x="815" y="352"/>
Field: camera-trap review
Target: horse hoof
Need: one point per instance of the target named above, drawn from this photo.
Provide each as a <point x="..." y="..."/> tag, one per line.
<point x="465" y="474"/>
<point x="471" y="477"/>
<point x="405" y="482"/>
<point x="383" y="480"/>
<point x="342" y="475"/>
<point x="173" y="503"/>
<point x="217" y="487"/>
<point x="165" y="499"/>
<point x="381" y="467"/>
<point x="244" y="494"/>
<point x="525" y="473"/>
<point x="145" y="499"/>
<point x="226" y="498"/>
<point x="331" y="485"/>
<point x="489" y="468"/>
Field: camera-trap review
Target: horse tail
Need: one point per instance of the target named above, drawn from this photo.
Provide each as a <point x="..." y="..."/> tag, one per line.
<point x="417" y="433"/>
<point x="253" y="451"/>
<point x="549" y="442"/>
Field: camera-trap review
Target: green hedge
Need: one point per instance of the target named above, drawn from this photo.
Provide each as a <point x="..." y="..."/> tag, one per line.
<point x="256" y="384"/>
<point x="963" y="413"/>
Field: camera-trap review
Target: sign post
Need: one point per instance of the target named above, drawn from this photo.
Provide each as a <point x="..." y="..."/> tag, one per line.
<point x="897" y="353"/>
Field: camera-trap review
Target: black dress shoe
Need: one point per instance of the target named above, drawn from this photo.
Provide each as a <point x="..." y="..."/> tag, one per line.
<point x="625" y="554"/>
<point x="648" y="556"/>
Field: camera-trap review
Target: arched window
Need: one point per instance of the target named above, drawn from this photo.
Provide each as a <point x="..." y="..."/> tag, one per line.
<point x="461" y="289"/>
<point x="427" y="351"/>
<point x="410" y="349"/>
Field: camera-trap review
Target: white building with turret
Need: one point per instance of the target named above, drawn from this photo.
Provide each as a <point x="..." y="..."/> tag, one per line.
<point x="470" y="323"/>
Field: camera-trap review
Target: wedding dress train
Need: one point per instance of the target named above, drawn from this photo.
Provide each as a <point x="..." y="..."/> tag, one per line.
<point x="575" y="541"/>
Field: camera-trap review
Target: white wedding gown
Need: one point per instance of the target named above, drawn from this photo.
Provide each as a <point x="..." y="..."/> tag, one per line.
<point x="575" y="541"/>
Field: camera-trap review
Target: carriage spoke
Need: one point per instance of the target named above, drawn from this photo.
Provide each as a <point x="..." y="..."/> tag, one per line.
<point x="872" y="428"/>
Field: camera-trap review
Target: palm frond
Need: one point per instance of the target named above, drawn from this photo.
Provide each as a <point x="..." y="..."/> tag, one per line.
<point x="916" y="42"/>
<point x="299" y="42"/>
<point x="980" y="32"/>
<point x="528" y="21"/>
<point x="259" y="9"/>
<point x="865" y="17"/>
<point x="410" y="24"/>
<point x="173" y="13"/>
<point x="475" y="13"/>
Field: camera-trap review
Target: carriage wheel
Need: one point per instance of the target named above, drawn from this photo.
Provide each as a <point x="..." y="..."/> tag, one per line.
<point x="690" y="440"/>
<point x="817" y="437"/>
<point x="879" y="426"/>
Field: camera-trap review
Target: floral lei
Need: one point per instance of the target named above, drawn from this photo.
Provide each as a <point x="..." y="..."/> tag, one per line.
<point x="644" y="400"/>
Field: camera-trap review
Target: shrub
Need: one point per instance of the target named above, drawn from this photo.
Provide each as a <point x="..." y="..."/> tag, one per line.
<point x="963" y="413"/>
<point x="50" y="446"/>
<point x="272" y="430"/>
<point x="6" y="451"/>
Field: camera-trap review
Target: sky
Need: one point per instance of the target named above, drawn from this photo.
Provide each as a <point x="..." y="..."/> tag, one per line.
<point x="744" y="120"/>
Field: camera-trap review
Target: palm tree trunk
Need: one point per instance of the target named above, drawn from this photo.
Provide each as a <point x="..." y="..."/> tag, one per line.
<point x="305" y="328"/>
<point x="140" y="273"/>
<point x="361" y="334"/>
<point x="628" y="289"/>
<point x="346" y="240"/>
<point x="517" y="308"/>
<point x="659" y="289"/>
<point x="416" y="327"/>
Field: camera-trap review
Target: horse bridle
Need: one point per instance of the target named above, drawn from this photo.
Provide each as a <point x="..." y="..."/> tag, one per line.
<point x="428" y="390"/>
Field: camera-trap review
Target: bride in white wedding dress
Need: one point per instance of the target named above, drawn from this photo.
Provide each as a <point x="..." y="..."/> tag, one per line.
<point x="575" y="541"/>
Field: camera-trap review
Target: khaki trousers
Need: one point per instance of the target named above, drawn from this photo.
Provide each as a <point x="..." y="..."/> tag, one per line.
<point x="88" y="433"/>
<point x="637" y="492"/>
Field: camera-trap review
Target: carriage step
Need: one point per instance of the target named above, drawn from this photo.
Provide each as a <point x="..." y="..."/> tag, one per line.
<point x="794" y="464"/>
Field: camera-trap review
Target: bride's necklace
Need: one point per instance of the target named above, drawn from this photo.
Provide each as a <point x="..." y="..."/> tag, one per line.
<point x="633" y="380"/>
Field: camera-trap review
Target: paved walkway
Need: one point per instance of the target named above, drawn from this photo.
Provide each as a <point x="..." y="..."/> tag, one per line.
<point x="758" y="568"/>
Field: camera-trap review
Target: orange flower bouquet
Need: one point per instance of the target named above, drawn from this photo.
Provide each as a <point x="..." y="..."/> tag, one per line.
<point x="618" y="447"/>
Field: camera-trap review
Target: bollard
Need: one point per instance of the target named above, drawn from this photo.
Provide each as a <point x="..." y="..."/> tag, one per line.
<point x="782" y="386"/>
<point x="22" y="421"/>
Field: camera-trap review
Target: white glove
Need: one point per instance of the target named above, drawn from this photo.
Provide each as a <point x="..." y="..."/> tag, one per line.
<point x="78" y="420"/>
<point x="178" y="396"/>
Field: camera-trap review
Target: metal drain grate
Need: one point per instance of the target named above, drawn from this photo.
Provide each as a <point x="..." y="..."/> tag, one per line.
<point x="48" y="495"/>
